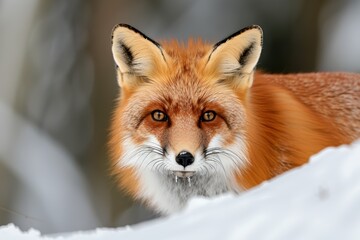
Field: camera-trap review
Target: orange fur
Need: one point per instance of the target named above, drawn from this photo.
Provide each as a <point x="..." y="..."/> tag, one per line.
<point x="282" y="133"/>
<point x="126" y="175"/>
<point x="281" y="119"/>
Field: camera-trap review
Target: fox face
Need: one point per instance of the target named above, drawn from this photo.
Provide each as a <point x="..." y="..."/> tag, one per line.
<point x="179" y="127"/>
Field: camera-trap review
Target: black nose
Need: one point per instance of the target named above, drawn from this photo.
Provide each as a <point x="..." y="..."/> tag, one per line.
<point x="184" y="158"/>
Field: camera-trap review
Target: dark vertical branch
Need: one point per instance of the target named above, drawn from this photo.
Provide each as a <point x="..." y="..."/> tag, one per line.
<point x="305" y="41"/>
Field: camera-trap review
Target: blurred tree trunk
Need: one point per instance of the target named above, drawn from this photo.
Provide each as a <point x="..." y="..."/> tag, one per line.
<point x="306" y="37"/>
<point x="105" y="92"/>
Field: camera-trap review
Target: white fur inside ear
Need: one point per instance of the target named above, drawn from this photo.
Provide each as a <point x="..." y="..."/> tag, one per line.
<point x="131" y="51"/>
<point x="237" y="54"/>
<point x="135" y="54"/>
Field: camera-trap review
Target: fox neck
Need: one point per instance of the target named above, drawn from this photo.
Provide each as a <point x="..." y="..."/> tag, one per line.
<point x="168" y="194"/>
<point x="282" y="133"/>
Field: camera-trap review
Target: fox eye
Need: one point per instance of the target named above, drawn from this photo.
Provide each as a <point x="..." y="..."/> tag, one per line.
<point x="208" y="116"/>
<point x="159" y="116"/>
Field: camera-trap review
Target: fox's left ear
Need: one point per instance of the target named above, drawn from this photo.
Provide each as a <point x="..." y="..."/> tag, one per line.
<point x="235" y="57"/>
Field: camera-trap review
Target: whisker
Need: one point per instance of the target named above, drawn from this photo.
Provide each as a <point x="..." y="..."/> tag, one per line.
<point x="150" y="156"/>
<point x="208" y="164"/>
<point x="218" y="161"/>
<point x="217" y="155"/>
<point x="153" y="162"/>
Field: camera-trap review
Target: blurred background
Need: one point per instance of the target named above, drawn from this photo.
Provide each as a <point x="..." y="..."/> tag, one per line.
<point x="58" y="87"/>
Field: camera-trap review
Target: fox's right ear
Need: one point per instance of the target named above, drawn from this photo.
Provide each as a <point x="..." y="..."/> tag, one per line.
<point x="137" y="56"/>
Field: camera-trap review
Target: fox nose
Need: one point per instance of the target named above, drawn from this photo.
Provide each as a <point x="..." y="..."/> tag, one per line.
<point x="184" y="158"/>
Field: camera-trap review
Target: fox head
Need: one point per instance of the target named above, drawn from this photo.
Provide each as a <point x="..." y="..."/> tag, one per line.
<point x="179" y="128"/>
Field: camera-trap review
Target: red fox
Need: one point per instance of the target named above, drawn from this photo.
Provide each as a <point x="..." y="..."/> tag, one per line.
<point x="197" y="120"/>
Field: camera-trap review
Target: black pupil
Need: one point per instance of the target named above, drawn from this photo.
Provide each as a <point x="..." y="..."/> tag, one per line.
<point x="208" y="116"/>
<point x="159" y="116"/>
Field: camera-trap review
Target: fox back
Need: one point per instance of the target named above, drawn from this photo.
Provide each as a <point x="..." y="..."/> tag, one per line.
<point x="197" y="120"/>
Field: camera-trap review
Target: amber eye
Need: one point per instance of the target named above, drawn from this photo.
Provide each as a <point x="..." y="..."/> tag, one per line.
<point x="159" y="116"/>
<point x="208" y="116"/>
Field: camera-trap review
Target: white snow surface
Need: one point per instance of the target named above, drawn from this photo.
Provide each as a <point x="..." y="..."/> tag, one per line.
<point x="320" y="200"/>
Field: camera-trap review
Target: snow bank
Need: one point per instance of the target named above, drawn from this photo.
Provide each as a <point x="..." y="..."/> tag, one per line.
<point x="320" y="200"/>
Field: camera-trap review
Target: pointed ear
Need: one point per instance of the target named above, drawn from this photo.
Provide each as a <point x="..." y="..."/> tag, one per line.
<point x="137" y="56"/>
<point x="234" y="58"/>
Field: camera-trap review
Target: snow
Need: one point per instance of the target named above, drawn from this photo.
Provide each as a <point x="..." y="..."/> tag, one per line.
<point x="320" y="200"/>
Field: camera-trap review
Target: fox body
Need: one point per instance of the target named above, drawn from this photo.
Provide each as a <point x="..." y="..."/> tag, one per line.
<point x="197" y="120"/>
